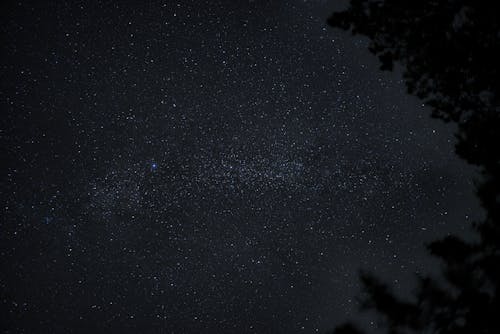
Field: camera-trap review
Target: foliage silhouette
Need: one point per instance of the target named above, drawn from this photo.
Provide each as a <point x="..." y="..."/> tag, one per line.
<point x="450" y="54"/>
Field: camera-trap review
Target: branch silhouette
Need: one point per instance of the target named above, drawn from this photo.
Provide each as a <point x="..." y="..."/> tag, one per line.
<point x="450" y="53"/>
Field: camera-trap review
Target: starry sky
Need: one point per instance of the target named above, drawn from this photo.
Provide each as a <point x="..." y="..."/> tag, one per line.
<point x="209" y="166"/>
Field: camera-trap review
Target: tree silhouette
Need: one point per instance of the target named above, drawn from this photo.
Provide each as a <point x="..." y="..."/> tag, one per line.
<point x="450" y="53"/>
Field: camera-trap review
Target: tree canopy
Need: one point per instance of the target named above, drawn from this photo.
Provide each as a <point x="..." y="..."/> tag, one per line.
<point x="450" y="52"/>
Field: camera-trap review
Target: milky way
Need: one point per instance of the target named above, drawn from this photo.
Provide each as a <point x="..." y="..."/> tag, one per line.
<point x="218" y="167"/>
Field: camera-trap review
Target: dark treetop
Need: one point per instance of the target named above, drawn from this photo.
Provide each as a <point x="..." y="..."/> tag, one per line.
<point x="450" y="54"/>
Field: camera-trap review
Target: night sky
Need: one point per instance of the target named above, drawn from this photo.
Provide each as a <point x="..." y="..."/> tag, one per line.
<point x="208" y="167"/>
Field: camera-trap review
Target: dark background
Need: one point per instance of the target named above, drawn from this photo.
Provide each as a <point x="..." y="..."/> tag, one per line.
<point x="221" y="166"/>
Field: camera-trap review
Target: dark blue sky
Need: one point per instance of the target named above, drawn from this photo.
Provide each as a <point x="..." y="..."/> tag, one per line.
<point x="218" y="167"/>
